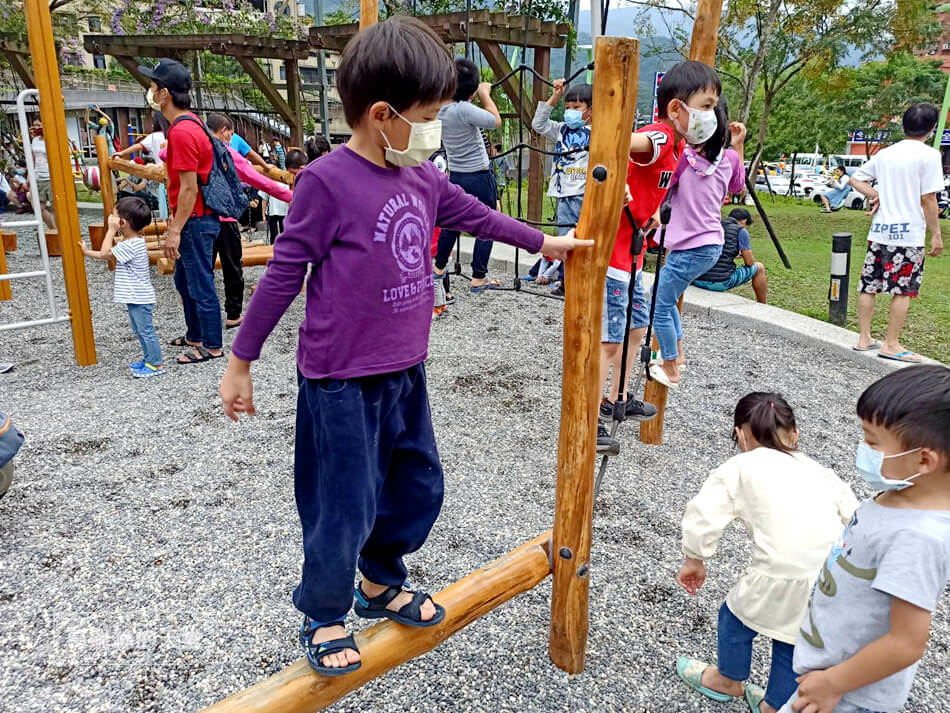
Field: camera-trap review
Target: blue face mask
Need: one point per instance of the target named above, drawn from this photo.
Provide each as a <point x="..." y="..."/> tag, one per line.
<point x="574" y="118"/>
<point x="869" y="462"/>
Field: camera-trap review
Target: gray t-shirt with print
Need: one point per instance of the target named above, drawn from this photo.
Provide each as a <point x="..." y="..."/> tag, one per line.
<point x="884" y="553"/>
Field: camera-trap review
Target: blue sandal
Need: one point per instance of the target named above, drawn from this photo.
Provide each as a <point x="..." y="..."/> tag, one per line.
<point x="316" y="652"/>
<point x="409" y="614"/>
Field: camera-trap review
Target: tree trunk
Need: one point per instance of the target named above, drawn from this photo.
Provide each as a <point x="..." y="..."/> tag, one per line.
<point x="763" y="126"/>
<point x="765" y="35"/>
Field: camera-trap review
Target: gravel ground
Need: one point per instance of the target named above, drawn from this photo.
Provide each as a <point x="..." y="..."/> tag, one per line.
<point x="148" y="547"/>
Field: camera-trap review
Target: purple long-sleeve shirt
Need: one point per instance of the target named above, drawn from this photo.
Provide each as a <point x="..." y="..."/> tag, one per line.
<point x="367" y="232"/>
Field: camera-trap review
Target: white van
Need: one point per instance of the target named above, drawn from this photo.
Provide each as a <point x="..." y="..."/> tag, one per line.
<point x="850" y="163"/>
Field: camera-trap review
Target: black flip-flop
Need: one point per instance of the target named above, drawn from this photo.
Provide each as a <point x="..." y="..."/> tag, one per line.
<point x="316" y="652"/>
<point x="180" y="342"/>
<point x="205" y="356"/>
<point x="409" y="614"/>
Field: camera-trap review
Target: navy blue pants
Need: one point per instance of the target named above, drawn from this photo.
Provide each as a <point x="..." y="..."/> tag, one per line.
<point x="367" y="480"/>
<point x="480" y="184"/>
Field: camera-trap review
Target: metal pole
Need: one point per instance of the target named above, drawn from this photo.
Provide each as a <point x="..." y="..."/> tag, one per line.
<point x="942" y="122"/>
<point x="839" y="287"/>
<point x="595" y="21"/>
<point x="196" y="80"/>
<point x="322" y="69"/>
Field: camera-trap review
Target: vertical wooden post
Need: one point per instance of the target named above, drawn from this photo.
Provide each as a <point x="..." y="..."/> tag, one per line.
<point x="542" y="65"/>
<point x="5" y="292"/>
<point x="106" y="186"/>
<point x="369" y="13"/>
<point x="46" y="71"/>
<point x="615" y="96"/>
<point x="702" y="48"/>
<point x="293" y="99"/>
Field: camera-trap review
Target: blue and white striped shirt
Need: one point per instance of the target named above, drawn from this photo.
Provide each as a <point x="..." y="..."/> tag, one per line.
<point x="133" y="285"/>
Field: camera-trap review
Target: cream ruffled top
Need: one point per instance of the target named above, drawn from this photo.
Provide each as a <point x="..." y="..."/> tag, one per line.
<point x="795" y="509"/>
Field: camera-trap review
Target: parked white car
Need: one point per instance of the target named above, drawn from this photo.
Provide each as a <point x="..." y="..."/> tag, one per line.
<point x="854" y="200"/>
<point x="779" y="185"/>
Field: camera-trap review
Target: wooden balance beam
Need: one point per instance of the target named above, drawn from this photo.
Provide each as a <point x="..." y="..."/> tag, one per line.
<point x="297" y="689"/>
<point x="251" y="256"/>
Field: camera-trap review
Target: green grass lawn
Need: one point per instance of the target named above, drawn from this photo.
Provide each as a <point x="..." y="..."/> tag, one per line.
<point x="805" y="235"/>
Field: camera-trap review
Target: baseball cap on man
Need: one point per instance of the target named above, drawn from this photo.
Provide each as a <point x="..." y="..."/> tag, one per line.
<point x="170" y="74"/>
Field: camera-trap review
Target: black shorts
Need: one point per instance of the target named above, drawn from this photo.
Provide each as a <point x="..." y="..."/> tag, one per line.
<point x="892" y="270"/>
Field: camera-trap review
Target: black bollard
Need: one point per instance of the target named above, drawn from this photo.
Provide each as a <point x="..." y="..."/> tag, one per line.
<point x="840" y="278"/>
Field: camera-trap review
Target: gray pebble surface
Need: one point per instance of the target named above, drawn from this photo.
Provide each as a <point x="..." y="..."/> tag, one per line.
<point x="149" y="547"/>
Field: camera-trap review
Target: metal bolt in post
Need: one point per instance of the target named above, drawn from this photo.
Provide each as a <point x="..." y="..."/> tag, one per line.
<point x="840" y="278"/>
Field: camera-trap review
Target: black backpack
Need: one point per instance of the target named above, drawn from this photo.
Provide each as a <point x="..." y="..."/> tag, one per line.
<point x="223" y="192"/>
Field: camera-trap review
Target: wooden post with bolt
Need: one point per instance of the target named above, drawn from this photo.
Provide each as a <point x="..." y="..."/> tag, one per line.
<point x="702" y="48"/>
<point x="298" y="689"/>
<point x="617" y="62"/>
<point x="46" y="74"/>
<point x="369" y="13"/>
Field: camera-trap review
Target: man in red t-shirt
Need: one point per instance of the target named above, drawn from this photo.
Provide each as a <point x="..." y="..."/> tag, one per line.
<point x="654" y="153"/>
<point x="192" y="228"/>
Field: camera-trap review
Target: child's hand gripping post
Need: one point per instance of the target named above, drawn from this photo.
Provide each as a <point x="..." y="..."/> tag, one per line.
<point x="556" y="247"/>
<point x="237" y="389"/>
<point x="692" y="575"/>
<point x="558" y="91"/>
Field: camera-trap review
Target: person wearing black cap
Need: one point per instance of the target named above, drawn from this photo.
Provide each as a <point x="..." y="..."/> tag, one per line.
<point x="192" y="228"/>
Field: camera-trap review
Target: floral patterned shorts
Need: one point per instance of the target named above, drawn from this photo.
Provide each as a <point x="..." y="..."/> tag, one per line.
<point x="892" y="270"/>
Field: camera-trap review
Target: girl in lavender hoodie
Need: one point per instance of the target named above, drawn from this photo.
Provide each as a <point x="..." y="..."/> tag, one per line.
<point x="708" y="170"/>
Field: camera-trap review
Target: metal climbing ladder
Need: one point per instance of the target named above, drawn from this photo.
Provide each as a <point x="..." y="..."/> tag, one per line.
<point x="36" y="222"/>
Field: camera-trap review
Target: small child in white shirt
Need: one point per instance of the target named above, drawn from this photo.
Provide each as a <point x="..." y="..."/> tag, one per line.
<point x="795" y="509"/>
<point x="133" y="285"/>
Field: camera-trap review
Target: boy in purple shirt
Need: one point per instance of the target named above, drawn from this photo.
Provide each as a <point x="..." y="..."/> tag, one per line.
<point x="367" y="477"/>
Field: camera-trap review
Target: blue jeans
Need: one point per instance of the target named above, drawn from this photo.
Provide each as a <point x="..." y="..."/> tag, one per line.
<point x="367" y="481"/>
<point x="480" y="184"/>
<point x="735" y="658"/>
<point x="141" y="317"/>
<point x="194" y="279"/>
<point x="679" y="270"/>
<point x="568" y="211"/>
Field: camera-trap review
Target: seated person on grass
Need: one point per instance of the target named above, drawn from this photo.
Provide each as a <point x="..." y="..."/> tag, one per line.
<point x="725" y="274"/>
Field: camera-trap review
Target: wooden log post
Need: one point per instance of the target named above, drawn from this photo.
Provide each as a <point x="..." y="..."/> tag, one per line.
<point x="369" y="13"/>
<point x="702" y="48"/>
<point x="46" y="74"/>
<point x="96" y="235"/>
<point x="615" y="95"/>
<point x="5" y="292"/>
<point x="9" y="242"/>
<point x="542" y="65"/>
<point x="297" y="689"/>
<point x="106" y="186"/>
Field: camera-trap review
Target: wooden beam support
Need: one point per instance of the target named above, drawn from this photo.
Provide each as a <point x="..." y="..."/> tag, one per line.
<point x="615" y="96"/>
<point x="150" y="172"/>
<point x="106" y="186"/>
<point x="294" y="101"/>
<point x="369" y="13"/>
<point x="132" y="67"/>
<point x="499" y="65"/>
<point x="20" y="67"/>
<point x="542" y="65"/>
<point x="705" y="37"/>
<point x="297" y="689"/>
<point x="46" y="73"/>
<point x="278" y="174"/>
<point x="263" y="83"/>
<point x="6" y="293"/>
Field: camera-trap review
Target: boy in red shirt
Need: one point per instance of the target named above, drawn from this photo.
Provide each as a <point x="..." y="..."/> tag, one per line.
<point x="192" y="228"/>
<point x="654" y="152"/>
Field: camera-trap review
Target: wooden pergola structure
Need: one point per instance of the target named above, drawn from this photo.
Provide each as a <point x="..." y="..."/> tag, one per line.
<point x="488" y="31"/>
<point x="15" y="49"/>
<point x="243" y="48"/>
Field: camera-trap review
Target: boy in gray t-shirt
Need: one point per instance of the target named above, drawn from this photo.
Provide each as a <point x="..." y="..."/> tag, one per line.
<point x="868" y="620"/>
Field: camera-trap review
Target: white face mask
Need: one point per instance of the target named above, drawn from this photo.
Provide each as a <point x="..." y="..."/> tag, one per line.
<point x="425" y="138"/>
<point x="700" y="126"/>
<point x="869" y="462"/>
<point x="150" y="98"/>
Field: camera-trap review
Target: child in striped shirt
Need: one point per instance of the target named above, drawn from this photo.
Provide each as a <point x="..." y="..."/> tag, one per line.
<point x="133" y="286"/>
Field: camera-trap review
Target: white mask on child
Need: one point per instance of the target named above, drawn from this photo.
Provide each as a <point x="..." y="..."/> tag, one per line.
<point x="700" y="126"/>
<point x="425" y="138"/>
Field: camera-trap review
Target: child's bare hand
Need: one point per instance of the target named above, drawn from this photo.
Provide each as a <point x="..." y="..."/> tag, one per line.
<point x="692" y="575"/>
<point x="84" y="247"/>
<point x="113" y="221"/>
<point x="559" y="86"/>
<point x="237" y="390"/>
<point x="816" y="693"/>
<point x="556" y="247"/>
<point x="738" y="131"/>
